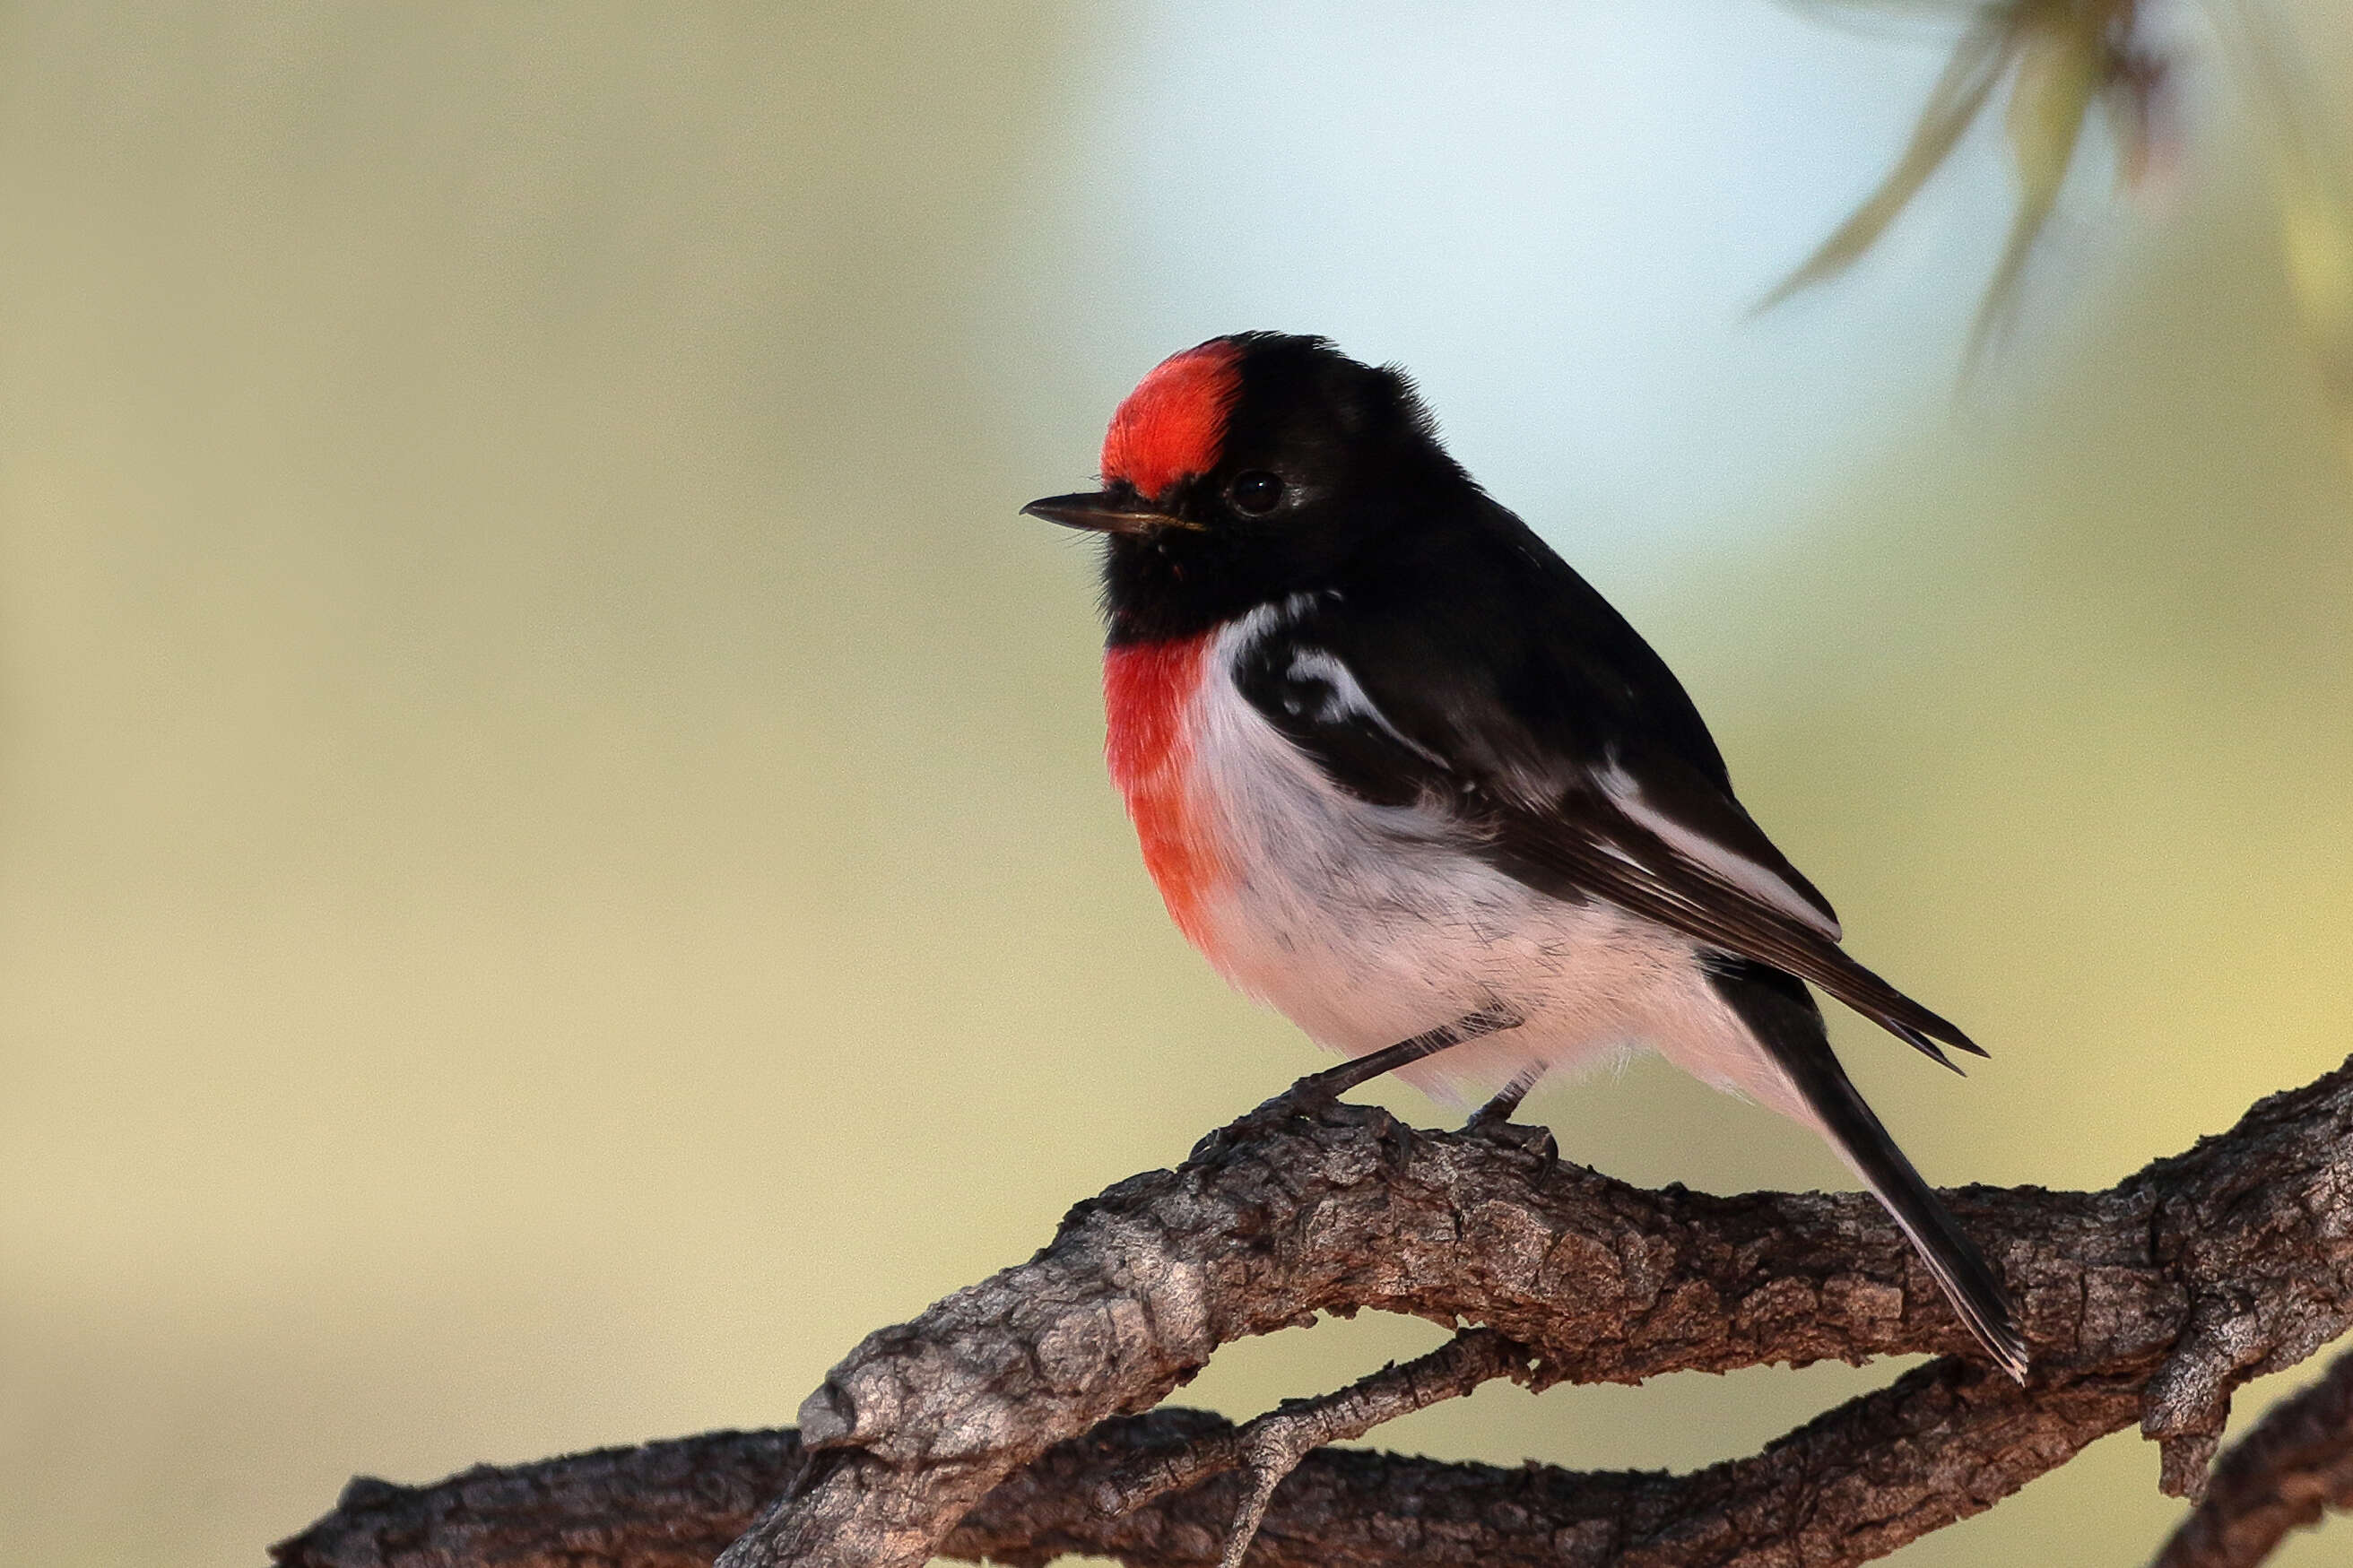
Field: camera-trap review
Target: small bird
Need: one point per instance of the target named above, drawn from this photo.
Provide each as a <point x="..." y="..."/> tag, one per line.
<point x="1401" y="773"/>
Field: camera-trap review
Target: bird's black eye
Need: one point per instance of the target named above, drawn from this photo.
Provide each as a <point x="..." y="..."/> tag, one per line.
<point x="1255" y="493"/>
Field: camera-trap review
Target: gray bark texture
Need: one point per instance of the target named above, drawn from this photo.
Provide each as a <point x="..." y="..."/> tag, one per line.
<point x="2295" y="1465"/>
<point x="1016" y="1419"/>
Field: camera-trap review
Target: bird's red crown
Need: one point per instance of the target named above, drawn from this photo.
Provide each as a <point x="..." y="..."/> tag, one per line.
<point x="1174" y="422"/>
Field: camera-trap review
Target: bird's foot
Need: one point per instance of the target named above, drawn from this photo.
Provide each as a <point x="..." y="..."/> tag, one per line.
<point x="1319" y="1089"/>
<point x="1497" y="1112"/>
<point x="1493" y="1122"/>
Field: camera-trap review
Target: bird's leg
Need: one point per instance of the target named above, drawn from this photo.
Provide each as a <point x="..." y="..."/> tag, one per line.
<point x="1497" y="1112"/>
<point x="1322" y="1087"/>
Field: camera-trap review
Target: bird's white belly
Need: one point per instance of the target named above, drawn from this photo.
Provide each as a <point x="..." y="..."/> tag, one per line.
<point x="1368" y="924"/>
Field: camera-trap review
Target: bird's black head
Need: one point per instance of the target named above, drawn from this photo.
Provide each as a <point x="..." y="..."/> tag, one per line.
<point x="1250" y="467"/>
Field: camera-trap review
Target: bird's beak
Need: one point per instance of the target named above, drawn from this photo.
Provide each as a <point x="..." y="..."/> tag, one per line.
<point x="1102" y="512"/>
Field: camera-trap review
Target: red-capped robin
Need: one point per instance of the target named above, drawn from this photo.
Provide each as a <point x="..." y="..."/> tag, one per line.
<point x="1399" y="772"/>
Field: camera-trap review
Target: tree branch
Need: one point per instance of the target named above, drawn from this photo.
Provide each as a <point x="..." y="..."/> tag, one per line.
<point x="978" y="1428"/>
<point x="2290" y="1467"/>
<point x="1270" y="1447"/>
<point x="677" y="1504"/>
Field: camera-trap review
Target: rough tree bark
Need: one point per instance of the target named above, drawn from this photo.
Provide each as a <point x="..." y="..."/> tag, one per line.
<point x="2292" y="1466"/>
<point x="1008" y="1421"/>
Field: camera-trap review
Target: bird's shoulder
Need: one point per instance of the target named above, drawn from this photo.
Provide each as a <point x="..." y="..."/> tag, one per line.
<point x="1486" y="647"/>
<point x="1482" y="674"/>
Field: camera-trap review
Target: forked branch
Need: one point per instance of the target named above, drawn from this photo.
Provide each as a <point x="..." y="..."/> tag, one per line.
<point x="980" y="1427"/>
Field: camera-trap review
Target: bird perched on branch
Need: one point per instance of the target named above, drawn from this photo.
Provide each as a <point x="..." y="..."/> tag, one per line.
<point x="1402" y="774"/>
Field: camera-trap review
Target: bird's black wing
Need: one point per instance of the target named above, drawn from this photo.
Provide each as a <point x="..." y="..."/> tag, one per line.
<point x="1570" y="753"/>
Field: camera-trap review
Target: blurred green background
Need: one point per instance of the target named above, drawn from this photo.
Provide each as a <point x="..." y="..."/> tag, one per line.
<point x="554" y="869"/>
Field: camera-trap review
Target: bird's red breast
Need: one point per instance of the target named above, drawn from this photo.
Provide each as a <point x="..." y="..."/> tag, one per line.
<point x="1148" y="689"/>
<point x="1174" y="422"/>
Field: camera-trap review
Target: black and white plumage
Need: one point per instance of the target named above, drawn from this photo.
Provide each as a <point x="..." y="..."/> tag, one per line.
<point x="1393" y="764"/>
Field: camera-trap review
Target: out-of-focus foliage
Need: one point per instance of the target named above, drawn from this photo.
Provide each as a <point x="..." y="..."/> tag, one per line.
<point x="2313" y="186"/>
<point x="2063" y="58"/>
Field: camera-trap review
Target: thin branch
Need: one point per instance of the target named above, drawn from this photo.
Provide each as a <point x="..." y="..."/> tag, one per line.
<point x="1852" y="1484"/>
<point x="2292" y="1466"/>
<point x="1271" y="1446"/>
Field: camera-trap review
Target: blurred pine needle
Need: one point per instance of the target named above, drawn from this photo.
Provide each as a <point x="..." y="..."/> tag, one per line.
<point x="2317" y="238"/>
<point x="2314" y="201"/>
<point x="2063" y="58"/>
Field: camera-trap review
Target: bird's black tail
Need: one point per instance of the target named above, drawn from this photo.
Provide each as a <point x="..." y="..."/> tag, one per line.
<point x="1785" y="1020"/>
